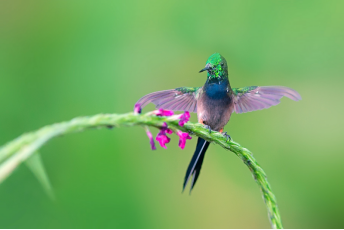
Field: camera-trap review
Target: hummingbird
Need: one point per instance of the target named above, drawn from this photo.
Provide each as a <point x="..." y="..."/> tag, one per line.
<point x="214" y="104"/>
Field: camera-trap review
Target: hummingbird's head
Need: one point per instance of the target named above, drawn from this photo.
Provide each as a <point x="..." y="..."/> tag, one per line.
<point x="216" y="66"/>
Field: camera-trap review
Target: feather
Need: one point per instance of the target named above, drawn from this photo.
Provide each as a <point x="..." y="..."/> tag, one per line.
<point x="255" y="98"/>
<point x="180" y="99"/>
<point x="196" y="162"/>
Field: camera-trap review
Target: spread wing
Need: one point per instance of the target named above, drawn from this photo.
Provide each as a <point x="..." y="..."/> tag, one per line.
<point x="179" y="99"/>
<point x="252" y="98"/>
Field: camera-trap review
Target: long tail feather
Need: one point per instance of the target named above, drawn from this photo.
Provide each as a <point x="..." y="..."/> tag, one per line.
<point x="196" y="163"/>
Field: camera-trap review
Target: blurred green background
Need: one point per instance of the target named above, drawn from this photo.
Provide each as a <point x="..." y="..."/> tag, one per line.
<point x="62" y="59"/>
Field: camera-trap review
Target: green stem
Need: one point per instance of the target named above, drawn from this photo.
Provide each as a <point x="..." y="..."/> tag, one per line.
<point x="18" y="150"/>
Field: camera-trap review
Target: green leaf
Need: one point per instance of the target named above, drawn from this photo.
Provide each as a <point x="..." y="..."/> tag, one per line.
<point x="35" y="164"/>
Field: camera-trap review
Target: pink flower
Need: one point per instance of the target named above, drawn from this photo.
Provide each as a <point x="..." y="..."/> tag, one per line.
<point x="151" y="140"/>
<point x="137" y="108"/>
<point x="162" y="138"/>
<point x="182" y="138"/>
<point x="164" y="129"/>
<point x="184" y="117"/>
<point x="162" y="112"/>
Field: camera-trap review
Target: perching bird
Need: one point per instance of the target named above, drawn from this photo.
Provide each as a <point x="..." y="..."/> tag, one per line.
<point x="214" y="103"/>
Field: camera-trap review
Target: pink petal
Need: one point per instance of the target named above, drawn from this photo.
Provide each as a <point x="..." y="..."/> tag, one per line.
<point x="162" y="112"/>
<point x="137" y="108"/>
<point x="162" y="139"/>
<point x="182" y="138"/>
<point x="151" y="140"/>
<point x="185" y="117"/>
<point x="164" y="129"/>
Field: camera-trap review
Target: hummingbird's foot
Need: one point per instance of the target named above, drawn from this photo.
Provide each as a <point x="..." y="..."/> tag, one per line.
<point x="227" y="136"/>
<point x="207" y="127"/>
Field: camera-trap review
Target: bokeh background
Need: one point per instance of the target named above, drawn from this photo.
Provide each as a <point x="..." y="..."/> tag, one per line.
<point x="62" y="59"/>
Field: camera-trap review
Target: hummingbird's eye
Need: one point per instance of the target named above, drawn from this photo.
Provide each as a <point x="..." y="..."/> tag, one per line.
<point x="222" y="64"/>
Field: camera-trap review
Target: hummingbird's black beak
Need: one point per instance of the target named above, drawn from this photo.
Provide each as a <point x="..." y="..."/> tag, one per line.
<point x="205" y="69"/>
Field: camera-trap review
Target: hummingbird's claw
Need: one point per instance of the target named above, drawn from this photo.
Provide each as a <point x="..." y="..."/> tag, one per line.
<point x="227" y="136"/>
<point x="208" y="127"/>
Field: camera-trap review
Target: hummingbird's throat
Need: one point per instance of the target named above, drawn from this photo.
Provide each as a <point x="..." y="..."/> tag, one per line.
<point x="220" y="80"/>
<point x="215" y="74"/>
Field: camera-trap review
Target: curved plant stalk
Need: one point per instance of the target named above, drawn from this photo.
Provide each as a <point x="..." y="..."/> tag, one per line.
<point x="20" y="149"/>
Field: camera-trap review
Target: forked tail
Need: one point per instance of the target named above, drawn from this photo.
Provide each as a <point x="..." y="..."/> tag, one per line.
<point x="196" y="163"/>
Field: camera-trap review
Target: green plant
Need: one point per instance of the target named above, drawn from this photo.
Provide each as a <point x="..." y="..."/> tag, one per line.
<point x="23" y="148"/>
